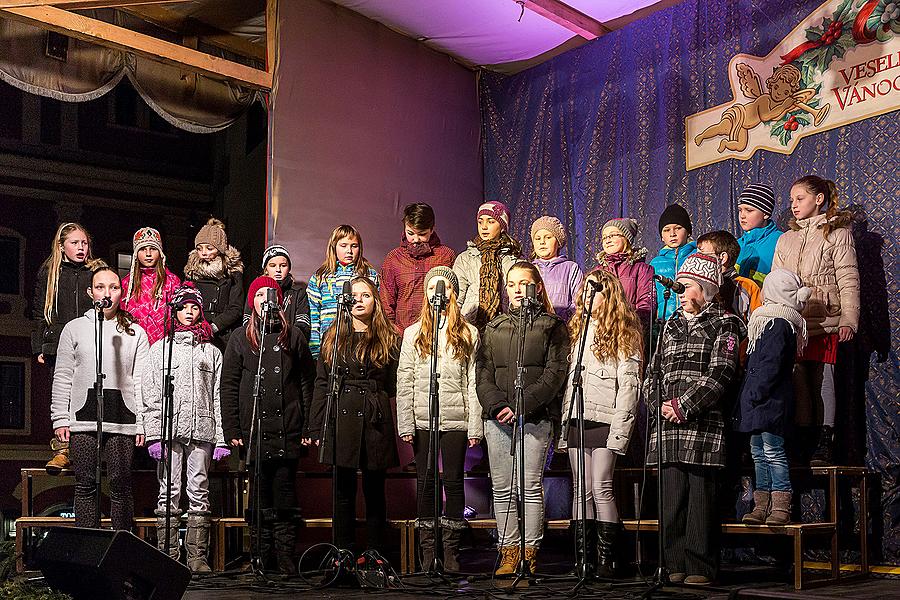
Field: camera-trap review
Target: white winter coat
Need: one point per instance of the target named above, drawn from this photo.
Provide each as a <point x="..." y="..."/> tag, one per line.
<point x="197" y="371"/>
<point x="459" y="406"/>
<point x="610" y="395"/>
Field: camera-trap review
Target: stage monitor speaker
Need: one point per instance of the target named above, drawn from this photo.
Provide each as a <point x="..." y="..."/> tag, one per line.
<point x="114" y="565"/>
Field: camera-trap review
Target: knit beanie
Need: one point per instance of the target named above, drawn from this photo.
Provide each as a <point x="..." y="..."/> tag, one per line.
<point x="263" y="282"/>
<point x="273" y="251"/>
<point x="188" y="294"/>
<point x="147" y="236"/>
<point x="760" y="196"/>
<point x="784" y="287"/>
<point x="551" y="224"/>
<point x="627" y="227"/>
<point x="213" y="233"/>
<point x="498" y="211"/>
<point x="677" y="215"/>
<point x="442" y="271"/>
<point x="705" y="270"/>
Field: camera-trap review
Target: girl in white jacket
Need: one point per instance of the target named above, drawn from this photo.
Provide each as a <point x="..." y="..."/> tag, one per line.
<point x="460" y="420"/>
<point x="612" y="364"/>
<point x="73" y="409"/>
<point x="196" y="424"/>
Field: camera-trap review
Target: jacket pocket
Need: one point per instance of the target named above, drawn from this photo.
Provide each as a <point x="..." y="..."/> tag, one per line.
<point x="600" y="386"/>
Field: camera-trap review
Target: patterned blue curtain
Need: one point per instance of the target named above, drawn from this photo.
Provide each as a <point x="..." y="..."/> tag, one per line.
<point x="598" y="132"/>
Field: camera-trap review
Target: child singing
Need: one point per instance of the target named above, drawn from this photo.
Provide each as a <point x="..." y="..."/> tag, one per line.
<point x="149" y="284"/>
<point x="562" y="276"/>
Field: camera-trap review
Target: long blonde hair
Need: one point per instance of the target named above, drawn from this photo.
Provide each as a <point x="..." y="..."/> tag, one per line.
<point x="54" y="262"/>
<point x="459" y="338"/>
<point x="617" y="331"/>
<point x="329" y="267"/>
<point x="375" y="345"/>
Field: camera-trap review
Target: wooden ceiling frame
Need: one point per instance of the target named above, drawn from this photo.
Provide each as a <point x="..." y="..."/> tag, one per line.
<point x="564" y="15"/>
<point x="46" y="14"/>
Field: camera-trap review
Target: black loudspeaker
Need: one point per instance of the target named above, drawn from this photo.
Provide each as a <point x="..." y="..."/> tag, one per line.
<point x="102" y="563"/>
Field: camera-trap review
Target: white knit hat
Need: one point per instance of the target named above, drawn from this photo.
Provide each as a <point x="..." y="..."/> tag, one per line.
<point x="705" y="270"/>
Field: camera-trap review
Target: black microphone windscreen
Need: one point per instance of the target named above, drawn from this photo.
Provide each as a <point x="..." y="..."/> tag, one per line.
<point x="440" y="288"/>
<point x="530" y="290"/>
<point x="271" y="296"/>
<point x="347" y="288"/>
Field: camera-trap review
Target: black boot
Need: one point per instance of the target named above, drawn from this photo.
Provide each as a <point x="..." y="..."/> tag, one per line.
<point x="607" y="545"/>
<point x="285" y="537"/>
<point x="451" y="534"/>
<point x="585" y="538"/>
<point x="263" y="552"/>
<point x="426" y="542"/>
<point x="822" y="457"/>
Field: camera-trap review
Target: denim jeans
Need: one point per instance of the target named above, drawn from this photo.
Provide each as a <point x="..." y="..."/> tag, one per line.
<point x="505" y="480"/>
<point x="771" y="463"/>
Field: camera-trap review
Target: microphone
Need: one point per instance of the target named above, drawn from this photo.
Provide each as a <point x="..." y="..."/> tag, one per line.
<point x="105" y="302"/>
<point x="440" y="294"/>
<point x="676" y="287"/>
<point x="271" y="303"/>
<point x="597" y="285"/>
<point x="346" y="298"/>
<point x="530" y="301"/>
<point x="176" y="306"/>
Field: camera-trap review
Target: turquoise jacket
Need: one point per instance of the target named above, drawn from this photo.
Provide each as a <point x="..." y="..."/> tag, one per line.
<point x="666" y="263"/>
<point x="757" y="251"/>
<point x="323" y="301"/>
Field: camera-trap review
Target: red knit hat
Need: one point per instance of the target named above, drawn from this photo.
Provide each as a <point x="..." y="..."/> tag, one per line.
<point x="260" y="283"/>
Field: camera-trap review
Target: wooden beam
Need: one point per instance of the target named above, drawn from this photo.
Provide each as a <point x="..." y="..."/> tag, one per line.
<point x="271" y="33"/>
<point x="568" y="17"/>
<point x="162" y="17"/>
<point x="80" y="4"/>
<point x="112" y="36"/>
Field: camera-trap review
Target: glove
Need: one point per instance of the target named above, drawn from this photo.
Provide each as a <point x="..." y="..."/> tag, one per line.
<point x="155" y="450"/>
<point x="221" y="453"/>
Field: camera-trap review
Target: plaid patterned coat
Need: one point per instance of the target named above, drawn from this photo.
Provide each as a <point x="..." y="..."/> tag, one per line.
<point x="699" y="362"/>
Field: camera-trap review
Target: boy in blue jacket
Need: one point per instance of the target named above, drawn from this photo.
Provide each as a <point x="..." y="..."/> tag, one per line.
<point x="755" y="207"/>
<point x="674" y="229"/>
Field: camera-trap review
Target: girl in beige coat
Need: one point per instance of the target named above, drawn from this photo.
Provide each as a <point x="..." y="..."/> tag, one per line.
<point x="820" y="250"/>
<point x="459" y="421"/>
<point x="612" y="365"/>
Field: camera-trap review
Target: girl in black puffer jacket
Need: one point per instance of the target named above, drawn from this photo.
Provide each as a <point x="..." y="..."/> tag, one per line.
<point x="546" y="364"/>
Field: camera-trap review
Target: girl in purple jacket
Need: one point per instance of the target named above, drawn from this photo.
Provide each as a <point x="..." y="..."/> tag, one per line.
<point x="562" y="277"/>
<point x="622" y="259"/>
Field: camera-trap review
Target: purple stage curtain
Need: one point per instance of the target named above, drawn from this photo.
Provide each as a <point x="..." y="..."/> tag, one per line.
<point x="598" y="133"/>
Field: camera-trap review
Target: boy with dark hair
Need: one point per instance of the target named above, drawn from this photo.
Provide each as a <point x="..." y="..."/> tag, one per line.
<point x="737" y="294"/>
<point x="405" y="267"/>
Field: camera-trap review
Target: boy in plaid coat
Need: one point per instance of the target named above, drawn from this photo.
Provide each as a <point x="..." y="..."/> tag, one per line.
<point x="699" y="360"/>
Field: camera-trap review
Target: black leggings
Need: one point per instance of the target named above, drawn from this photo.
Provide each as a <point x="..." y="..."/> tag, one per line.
<point x="453" y="456"/>
<point x="117" y="452"/>
<point x="345" y="508"/>
<point x="277" y="489"/>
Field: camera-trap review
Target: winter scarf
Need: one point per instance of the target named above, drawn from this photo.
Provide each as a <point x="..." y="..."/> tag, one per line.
<point x="764" y="315"/>
<point x="488" y="280"/>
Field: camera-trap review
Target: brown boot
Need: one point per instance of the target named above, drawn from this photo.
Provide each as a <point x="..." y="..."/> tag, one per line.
<point x="509" y="560"/>
<point x="60" y="458"/>
<point x="196" y="541"/>
<point x="781" y="509"/>
<point x="760" y="510"/>
<point x="531" y="558"/>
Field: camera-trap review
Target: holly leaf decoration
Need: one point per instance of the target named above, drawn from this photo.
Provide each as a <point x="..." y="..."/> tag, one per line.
<point x="802" y="118"/>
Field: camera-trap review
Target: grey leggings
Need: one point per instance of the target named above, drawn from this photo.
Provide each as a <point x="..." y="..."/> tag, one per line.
<point x="598" y="481"/>
<point x="814" y="386"/>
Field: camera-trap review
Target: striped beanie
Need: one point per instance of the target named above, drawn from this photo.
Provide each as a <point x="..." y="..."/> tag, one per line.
<point x="273" y="251"/>
<point x="497" y="211"/>
<point x="760" y="196"/>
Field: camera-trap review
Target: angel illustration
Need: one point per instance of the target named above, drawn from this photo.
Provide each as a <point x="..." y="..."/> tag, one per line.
<point x="784" y="96"/>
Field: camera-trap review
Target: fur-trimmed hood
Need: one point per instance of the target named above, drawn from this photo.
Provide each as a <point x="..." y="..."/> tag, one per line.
<point x="638" y="255"/>
<point x="219" y="267"/>
<point x="842" y="218"/>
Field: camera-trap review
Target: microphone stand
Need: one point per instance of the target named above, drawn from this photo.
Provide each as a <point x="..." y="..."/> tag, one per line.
<point x="254" y="444"/>
<point x="331" y="400"/>
<point x="167" y="419"/>
<point x="577" y="403"/>
<point x="517" y="444"/>
<point x="98" y="394"/>
<point x="661" y="577"/>
<point x="437" y="565"/>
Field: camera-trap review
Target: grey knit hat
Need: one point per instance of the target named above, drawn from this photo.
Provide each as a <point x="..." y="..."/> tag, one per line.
<point x="445" y="272"/>
<point x="551" y="224"/>
<point x="760" y="196"/>
<point x="627" y="227"/>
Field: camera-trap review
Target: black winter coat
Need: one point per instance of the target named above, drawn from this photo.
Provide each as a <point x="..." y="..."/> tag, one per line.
<point x="366" y="430"/>
<point x="546" y="366"/>
<point x="767" y="396"/>
<point x="287" y="381"/>
<point x="223" y="301"/>
<point x="295" y="305"/>
<point x="71" y="302"/>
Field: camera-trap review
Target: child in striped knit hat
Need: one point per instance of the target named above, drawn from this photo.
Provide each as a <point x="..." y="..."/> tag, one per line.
<point x="756" y="204"/>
